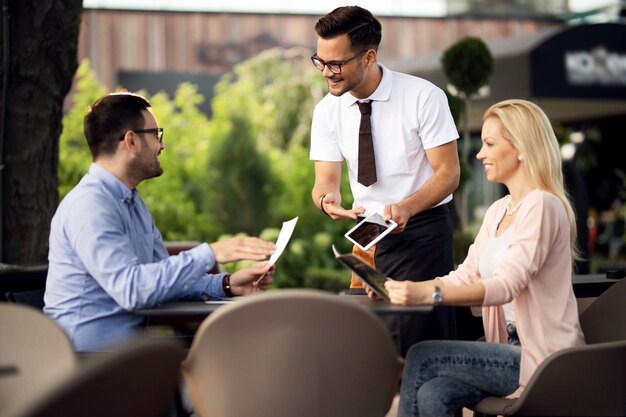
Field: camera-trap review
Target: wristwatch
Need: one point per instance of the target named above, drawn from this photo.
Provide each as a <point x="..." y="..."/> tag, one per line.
<point x="226" y="286"/>
<point x="437" y="297"/>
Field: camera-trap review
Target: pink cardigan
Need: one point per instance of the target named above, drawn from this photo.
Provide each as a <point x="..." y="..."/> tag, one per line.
<point x="535" y="274"/>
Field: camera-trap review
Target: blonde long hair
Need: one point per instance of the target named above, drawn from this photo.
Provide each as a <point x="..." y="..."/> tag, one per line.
<point x="529" y="130"/>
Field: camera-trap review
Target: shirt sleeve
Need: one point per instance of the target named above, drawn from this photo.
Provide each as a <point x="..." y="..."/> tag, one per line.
<point x="437" y="126"/>
<point x="105" y="250"/>
<point x="324" y="146"/>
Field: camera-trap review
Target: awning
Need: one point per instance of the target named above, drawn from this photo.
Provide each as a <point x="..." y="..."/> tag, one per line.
<point x="575" y="73"/>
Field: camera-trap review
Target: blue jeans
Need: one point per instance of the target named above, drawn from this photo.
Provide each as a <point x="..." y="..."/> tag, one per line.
<point x="443" y="376"/>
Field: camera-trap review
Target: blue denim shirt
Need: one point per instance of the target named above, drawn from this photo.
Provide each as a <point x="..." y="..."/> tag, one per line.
<point x="107" y="258"/>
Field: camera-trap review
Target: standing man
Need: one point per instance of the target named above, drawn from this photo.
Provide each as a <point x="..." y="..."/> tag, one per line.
<point x="107" y="257"/>
<point x="398" y="138"/>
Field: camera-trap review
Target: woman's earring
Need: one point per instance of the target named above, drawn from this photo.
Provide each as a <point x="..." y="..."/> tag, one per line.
<point x="520" y="158"/>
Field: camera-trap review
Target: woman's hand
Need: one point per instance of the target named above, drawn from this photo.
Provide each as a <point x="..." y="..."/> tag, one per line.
<point x="409" y="292"/>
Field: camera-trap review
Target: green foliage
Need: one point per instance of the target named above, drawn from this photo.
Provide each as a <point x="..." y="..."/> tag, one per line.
<point x="267" y="102"/>
<point x="468" y="64"/>
<point x="261" y="174"/>
<point x="461" y="242"/>
<point x="275" y="92"/>
<point x="456" y="106"/>
<point x="74" y="156"/>
<point x="238" y="184"/>
<point x="175" y="198"/>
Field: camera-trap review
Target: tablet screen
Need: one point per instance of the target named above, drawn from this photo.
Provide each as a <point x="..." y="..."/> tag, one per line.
<point x="369" y="231"/>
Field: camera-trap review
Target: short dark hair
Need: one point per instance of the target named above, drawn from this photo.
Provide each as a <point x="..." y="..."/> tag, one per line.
<point x="109" y="118"/>
<point x="362" y="28"/>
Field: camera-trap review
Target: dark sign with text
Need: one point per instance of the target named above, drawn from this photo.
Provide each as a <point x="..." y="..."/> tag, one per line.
<point x="586" y="61"/>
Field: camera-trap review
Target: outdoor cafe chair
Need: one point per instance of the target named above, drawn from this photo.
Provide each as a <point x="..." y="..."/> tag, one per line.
<point x="35" y="353"/>
<point x="137" y="379"/>
<point x="292" y="352"/>
<point x="588" y="380"/>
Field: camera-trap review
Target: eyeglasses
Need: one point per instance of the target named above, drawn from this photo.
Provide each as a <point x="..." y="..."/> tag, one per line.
<point x="158" y="131"/>
<point x="335" y="66"/>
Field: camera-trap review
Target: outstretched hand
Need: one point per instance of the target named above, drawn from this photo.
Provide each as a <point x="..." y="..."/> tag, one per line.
<point x="239" y="248"/>
<point x="331" y="205"/>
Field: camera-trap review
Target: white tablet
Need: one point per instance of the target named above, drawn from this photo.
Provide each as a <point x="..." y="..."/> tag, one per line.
<point x="370" y="230"/>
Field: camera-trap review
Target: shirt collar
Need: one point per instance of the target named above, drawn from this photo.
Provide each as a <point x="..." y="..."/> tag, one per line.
<point x="111" y="183"/>
<point x="382" y="92"/>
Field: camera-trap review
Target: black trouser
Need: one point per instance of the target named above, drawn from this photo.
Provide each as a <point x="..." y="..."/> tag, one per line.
<point x="421" y="252"/>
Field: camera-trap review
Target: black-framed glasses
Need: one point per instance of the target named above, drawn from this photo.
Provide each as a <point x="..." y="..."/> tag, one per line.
<point x="333" y="66"/>
<point x="158" y="131"/>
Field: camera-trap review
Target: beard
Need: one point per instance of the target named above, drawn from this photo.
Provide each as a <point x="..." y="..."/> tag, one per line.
<point x="156" y="172"/>
<point x="143" y="170"/>
<point x="347" y="84"/>
<point x="153" y="169"/>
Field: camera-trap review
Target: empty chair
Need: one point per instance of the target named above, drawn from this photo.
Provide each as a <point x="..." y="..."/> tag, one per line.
<point x="293" y="352"/>
<point x="135" y="380"/>
<point x="34" y="354"/>
<point x="580" y="381"/>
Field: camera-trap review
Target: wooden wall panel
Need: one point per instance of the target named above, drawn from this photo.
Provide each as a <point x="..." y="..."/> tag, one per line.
<point x="214" y="42"/>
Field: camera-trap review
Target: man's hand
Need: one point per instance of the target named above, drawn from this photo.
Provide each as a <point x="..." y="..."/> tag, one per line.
<point x="399" y="214"/>
<point x="244" y="282"/>
<point x="239" y="248"/>
<point x="331" y="205"/>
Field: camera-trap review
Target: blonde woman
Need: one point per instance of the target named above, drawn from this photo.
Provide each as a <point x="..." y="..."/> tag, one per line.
<point x="519" y="269"/>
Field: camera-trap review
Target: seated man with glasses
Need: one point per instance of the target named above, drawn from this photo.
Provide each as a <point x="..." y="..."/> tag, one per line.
<point x="107" y="257"/>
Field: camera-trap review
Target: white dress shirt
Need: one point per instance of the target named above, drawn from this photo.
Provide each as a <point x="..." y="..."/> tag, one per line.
<point x="409" y="116"/>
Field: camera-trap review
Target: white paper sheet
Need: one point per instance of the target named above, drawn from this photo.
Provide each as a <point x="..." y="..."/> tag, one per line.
<point x="281" y="243"/>
<point x="283" y="238"/>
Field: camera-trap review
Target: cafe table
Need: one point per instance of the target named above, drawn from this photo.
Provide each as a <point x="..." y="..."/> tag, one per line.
<point x="194" y="312"/>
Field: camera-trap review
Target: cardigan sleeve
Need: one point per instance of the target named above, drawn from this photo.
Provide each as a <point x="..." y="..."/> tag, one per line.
<point x="535" y="233"/>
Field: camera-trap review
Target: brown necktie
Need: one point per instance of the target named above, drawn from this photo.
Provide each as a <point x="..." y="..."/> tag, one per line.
<point x="367" y="163"/>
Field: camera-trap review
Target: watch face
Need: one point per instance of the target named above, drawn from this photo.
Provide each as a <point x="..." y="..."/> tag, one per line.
<point x="437" y="297"/>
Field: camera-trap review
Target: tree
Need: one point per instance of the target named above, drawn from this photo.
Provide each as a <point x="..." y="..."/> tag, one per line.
<point x="39" y="46"/>
<point x="266" y="103"/>
<point x="239" y="190"/>
<point x="468" y="65"/>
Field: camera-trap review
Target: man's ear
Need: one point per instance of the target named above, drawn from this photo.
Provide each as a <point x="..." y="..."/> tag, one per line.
<point x="130" y="141"/>
<point x="370" y="55"/>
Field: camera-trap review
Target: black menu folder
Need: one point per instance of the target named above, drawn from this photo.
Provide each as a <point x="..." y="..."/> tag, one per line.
<point x="370" y="277"/>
